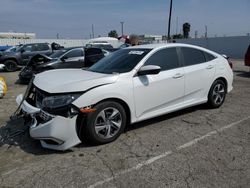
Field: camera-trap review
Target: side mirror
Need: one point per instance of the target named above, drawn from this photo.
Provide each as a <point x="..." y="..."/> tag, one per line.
<point x="64" y="58"/>
<point x="148" y="70"/>
<point x="22" y="51"/>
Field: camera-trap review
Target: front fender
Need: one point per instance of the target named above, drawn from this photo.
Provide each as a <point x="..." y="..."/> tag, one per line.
<point x="122" y="92"/>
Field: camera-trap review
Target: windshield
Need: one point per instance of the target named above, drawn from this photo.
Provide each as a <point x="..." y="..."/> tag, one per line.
<point x="121" y="61"/>
<point x="58" y="54"/>
<point x="14" y="48"/>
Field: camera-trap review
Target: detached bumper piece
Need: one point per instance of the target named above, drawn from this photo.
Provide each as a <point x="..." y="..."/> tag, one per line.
<point x="54" y="132"/>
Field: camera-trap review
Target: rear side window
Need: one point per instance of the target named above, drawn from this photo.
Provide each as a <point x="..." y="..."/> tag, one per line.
<point x="192" y="56"/>
<point x="209" y="57"/>
<point x="167" y="59"/>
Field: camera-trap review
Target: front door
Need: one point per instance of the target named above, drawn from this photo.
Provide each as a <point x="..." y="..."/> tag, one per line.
<point x="158" y="94"/>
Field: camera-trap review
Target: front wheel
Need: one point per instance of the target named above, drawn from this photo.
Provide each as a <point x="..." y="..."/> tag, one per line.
<point x="10" y="66"/>
<point x="217" y="94"/>
<point x="105" y="124"/>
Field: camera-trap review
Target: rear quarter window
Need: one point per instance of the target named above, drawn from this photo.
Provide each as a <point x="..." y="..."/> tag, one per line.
<point x="209" y="57"/>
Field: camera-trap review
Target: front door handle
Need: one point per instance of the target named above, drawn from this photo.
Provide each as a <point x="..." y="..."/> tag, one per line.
<point x="178" y="75"/>
<point x="210" y="67"/>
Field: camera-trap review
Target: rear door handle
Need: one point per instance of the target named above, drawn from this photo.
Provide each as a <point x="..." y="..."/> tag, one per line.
<point x="178" y="75"/>
<point x="210" y="67"/>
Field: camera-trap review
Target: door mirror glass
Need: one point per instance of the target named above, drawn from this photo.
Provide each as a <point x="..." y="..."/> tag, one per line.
<point x="149" y="70"/>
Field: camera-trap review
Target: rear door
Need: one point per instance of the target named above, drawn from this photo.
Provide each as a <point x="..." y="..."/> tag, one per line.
<point x="158" y="94"/>
<point x="199" y="69"/>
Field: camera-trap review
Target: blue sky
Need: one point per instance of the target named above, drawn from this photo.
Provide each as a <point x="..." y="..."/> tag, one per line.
<point x="73" y="18"/>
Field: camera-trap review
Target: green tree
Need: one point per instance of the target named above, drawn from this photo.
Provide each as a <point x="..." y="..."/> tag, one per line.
<point x="178" y="36"/>
<point x="113" y="33"/>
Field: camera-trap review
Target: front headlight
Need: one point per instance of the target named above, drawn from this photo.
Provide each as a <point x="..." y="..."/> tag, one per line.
<point x="59" y="101"/>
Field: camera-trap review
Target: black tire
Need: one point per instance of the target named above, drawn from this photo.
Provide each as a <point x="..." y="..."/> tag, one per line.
<point x="89" y="124"/>
<point x="217" y="94"/>
<point x="10" y="65"/>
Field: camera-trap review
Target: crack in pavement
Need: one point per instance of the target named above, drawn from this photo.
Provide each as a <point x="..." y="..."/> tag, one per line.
<point x="152" y="160"/>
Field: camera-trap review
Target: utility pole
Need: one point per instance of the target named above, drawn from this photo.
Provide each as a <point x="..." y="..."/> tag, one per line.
<point x="122" y="23"/>
<point x="205" y="31"/>
<point x="196" y="34"/>
<point x="169" y="21"/>
<point x="93" y="33"/>
<point x="177" y="24"/>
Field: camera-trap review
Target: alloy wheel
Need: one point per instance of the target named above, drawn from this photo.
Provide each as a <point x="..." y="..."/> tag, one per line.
<point x="218" y="93"/>
<point x="108" y="122"/>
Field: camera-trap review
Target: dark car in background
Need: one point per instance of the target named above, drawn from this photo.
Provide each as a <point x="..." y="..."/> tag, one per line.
<point x="77" y="57"/>
<point x="247" y="57"/>
<point x="4" y="48"/>
<point x="20" y="56"/>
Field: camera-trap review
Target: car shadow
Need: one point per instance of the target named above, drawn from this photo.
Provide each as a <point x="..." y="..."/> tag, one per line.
<point x="244" y="74"/>
<point x="165" y="117"/>
<point x="15" y="133"/>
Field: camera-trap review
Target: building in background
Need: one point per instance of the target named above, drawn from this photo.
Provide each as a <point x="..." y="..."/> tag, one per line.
<point x="145" y="39"/>
<point x="14" y="35"/>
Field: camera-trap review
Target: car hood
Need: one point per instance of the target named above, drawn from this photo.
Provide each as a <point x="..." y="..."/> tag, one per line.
<point x="8" y="54"/>
<point x="71" y="80"/>
<point x="38" y="59"/>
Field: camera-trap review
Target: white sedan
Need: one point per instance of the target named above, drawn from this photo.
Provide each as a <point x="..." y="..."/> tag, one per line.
<point x="133" y="84"/>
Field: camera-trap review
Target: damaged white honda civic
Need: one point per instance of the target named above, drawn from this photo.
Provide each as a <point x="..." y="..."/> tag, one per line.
<point x="67" y="107"/>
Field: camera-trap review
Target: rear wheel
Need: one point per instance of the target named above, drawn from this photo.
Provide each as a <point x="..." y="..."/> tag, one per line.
<point x="10" y="65"/>
<point x="217" y="94"/>
<point x="105" y="124"/>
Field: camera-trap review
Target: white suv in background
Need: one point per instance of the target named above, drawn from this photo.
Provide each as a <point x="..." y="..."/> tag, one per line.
<point x="130" y="85"/>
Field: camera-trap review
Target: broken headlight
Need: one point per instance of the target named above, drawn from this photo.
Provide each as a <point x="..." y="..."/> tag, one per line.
<point x="59" y="101"/>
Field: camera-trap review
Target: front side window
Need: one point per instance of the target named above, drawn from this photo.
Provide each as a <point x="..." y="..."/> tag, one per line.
<point x="192" y="56"/>
<point x="166" y="59"/>
<point x="27" y="48"/>
<point x="74" y="53"/>
<point x="120" y="61"/>
<point x="57" y="54"/>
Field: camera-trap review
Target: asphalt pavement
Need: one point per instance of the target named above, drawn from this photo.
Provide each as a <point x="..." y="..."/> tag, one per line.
<point x="195" y="147"/>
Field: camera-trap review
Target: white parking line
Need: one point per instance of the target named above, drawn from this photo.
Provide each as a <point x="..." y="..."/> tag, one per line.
<point x="165" y="154"/>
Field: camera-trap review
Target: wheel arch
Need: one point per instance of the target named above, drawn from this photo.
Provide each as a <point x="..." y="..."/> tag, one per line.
<point x="224" y="80"/>
<point x="124" y="105"/>
<point x="80" y="118"/>
<point x="11" y="59"/>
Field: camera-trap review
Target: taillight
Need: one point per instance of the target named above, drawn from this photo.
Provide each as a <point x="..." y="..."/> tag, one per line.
<point x="230" y="64"/>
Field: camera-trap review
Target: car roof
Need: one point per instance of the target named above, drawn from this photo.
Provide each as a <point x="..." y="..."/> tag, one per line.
<point x="155" y="46"/>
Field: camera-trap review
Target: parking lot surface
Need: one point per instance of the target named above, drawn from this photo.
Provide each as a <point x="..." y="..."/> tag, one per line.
<point x="195" y="147"/>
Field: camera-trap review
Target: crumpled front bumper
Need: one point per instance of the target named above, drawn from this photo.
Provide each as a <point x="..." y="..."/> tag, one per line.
<point x="55" y="132"/>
